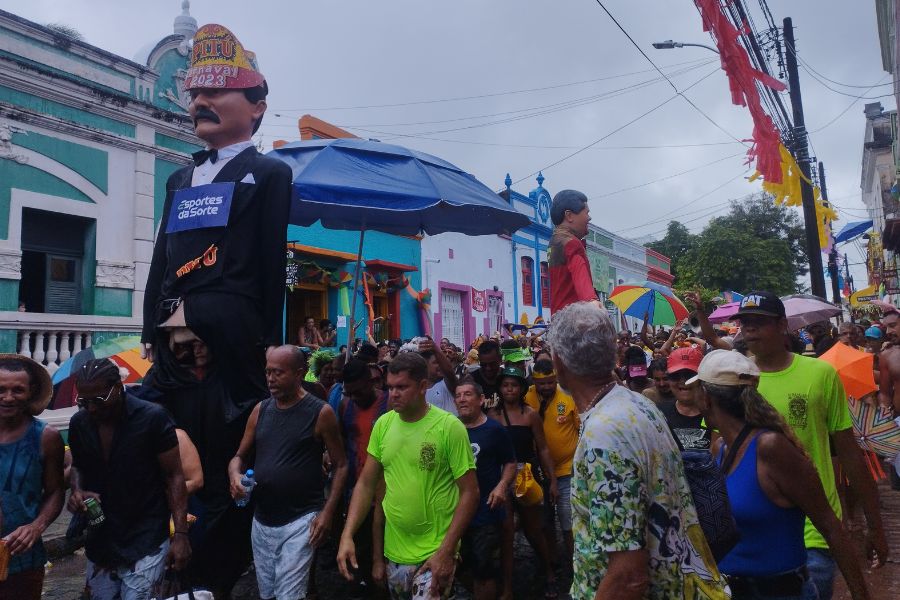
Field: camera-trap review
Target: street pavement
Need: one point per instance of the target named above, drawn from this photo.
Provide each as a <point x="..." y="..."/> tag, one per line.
<point x="884" y="583"/>
<point x="65" y="576"/>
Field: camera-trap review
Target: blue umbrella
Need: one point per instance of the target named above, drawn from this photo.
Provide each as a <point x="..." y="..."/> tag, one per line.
<point x="852" y="230"/>
<point x="360" y="184"/>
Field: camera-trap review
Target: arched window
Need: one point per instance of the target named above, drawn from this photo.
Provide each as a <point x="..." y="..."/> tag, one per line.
<point x="527" y="281"/>
<point x="545" y="285"/>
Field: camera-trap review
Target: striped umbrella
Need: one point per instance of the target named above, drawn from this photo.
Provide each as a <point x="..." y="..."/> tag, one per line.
<point x="655" y="301"/>
<point x="124" y="351"/>
<point x="875" y="429"/>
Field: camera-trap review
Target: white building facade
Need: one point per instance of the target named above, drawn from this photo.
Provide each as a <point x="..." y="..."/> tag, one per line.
<point x="479" y="283"/>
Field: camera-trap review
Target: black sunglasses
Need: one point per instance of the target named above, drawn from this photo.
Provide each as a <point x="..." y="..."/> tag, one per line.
<point x="83" y="401"/>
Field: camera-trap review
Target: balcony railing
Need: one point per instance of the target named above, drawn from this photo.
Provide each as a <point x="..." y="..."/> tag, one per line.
<point x="51" y="339"/>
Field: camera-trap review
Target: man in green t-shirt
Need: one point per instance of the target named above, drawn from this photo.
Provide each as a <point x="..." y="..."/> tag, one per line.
<point x="810" y="396"/>
<point x="431" y="493"/>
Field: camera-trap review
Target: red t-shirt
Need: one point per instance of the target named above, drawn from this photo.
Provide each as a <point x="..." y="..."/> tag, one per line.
<point x="570" y="272"/>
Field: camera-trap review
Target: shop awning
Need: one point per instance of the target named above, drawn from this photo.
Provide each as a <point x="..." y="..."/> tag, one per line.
<point x="326" y="253"/>
<point x="384" y="265"/>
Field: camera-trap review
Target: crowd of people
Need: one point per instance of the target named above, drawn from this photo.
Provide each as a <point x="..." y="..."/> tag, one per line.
<point x="421" y="469"/>
<point x="411" y="466"/>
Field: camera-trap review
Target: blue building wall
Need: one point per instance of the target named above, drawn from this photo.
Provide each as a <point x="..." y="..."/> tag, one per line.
<point x="532" y="240"/>
<point x="377" y="245"/>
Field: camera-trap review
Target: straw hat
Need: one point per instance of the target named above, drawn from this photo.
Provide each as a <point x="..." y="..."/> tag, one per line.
<point x="41" y="399"/>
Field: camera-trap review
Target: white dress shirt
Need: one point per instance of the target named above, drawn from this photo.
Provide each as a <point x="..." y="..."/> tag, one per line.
<point x="207" y="171"/>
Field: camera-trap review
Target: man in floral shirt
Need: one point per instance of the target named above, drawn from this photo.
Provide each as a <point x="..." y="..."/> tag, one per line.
<point x="634" y="522"/>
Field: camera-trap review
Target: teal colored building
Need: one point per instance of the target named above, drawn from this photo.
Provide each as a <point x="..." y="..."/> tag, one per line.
<point x="390" y="269"/>
<point x="87" y="141"/>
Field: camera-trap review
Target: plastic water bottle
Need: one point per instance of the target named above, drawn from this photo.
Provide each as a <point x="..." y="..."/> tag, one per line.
<point x="248" y="483"/>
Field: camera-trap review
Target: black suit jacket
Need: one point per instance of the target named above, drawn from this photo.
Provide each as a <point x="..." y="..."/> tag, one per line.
<point x="250" y="252"/>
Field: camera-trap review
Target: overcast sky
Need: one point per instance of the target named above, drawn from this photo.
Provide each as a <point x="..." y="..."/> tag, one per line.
<point x="323" y="56"/>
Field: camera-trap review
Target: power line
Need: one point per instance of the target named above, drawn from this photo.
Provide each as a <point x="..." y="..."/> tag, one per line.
<point x="564" y="104"/>
<point x="614" y="131"/>
<point x="842" y="93"/>
<point x="674" y="87"/>
<point x="843" y="112"/>
<point x="655" y="233"/>
<point x="490" y="95"/>
<point x="667" y="177"/>
<point x="675" y="218"/>
<point x="669" y="215"/>
<point x="868" y="87"/>
<point x="538" y="111"/>
<point x="742" y="19"/>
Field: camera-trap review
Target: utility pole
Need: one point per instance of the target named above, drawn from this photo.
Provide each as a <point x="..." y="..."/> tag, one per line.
<point x="833" y="255"/>
<point x="801" y="153"/>
<point x="849" y="283"/>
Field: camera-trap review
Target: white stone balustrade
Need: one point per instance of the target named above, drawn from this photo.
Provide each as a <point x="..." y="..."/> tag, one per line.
<point x="51" y="339"/>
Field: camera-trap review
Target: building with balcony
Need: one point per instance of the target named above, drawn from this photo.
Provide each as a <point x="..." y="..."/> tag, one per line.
<point x="87" y="142"/>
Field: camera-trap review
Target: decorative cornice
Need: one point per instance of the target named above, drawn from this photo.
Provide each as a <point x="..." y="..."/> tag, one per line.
<point x="115" y="275"/>
<point x="10" y="263"/>
<point x="6" y="148"/>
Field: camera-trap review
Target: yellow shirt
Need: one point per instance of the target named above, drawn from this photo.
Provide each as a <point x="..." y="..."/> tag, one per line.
<point x="561" y="425"/>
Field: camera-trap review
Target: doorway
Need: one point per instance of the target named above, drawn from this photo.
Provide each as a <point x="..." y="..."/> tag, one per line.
<point x="56" y="249"/>
<point x="305" y="300"/>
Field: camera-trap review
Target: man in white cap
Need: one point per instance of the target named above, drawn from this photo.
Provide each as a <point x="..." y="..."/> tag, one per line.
<point x="216" y="284"/>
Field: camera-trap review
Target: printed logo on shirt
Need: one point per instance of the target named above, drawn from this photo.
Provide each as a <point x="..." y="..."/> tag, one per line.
<point x="476" y="448"/>
<point x="201" y="207"/>
<point x="797" y="411"/>
<point x="427" y="456"/>
<point x="207" y="259"/>
<point x="561" y="416"/>
<point x="692" y="438"/>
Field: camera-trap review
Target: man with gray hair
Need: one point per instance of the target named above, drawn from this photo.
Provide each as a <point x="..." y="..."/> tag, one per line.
<point x="570" y="272"/>
<point x="634" y="522"/>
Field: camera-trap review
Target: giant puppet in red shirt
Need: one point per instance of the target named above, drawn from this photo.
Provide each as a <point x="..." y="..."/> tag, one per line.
<point x="570" y="272"/>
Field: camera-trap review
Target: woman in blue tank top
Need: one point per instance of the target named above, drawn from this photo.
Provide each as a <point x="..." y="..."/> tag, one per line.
<point x="31" y="474"/>
<point x="772" y="486"/>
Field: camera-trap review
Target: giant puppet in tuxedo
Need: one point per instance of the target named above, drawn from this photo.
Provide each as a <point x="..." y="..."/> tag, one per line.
<point x="215" y="292"/>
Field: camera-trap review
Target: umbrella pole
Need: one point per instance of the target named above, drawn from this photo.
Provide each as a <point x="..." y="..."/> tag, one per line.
<point x="352" y="330"/>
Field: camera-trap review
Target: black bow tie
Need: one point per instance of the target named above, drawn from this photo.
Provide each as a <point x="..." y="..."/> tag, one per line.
<point x="200" y="157"/>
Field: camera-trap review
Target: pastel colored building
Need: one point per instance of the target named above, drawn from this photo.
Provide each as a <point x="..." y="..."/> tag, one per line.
<point x="87" y="141"/>
<point x="471" y="282"/>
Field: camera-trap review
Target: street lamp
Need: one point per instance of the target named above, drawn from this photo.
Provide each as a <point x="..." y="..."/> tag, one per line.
<point x="669" y="44"/>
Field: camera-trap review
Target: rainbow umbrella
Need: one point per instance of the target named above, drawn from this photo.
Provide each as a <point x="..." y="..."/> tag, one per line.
<point x="124" y="351"/>
<point x="656" y="301"/>
<point x="875" y="429"/>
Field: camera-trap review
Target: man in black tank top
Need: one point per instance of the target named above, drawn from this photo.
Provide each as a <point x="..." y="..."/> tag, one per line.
<point x="287" y="435"/>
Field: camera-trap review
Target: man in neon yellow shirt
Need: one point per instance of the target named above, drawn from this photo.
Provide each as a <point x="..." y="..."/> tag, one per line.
<point x="811" y="398"/>
<point x="431" y="492"/>
<point x="560" y="417"/>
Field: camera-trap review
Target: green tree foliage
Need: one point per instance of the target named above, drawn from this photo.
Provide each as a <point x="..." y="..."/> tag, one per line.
<point x="757" y="245"/>
<point x="677" y="242"/>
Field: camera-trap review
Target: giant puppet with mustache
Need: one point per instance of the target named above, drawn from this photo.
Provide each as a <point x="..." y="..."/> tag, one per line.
<point x="215" y="291"/>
